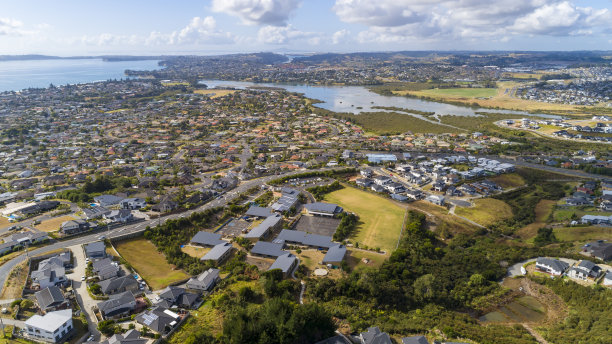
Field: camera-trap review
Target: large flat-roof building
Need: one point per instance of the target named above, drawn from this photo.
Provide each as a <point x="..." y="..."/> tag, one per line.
<point x="322" y="209"/>
<point x="52" y="327"/>
<point x="262" y="230"/>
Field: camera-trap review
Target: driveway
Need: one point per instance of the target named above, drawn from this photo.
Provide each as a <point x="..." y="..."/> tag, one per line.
<point x="80" y="289"/>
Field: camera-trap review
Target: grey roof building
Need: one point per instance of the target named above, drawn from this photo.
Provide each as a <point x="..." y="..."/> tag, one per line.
<point x="374" y="336"/>
<point x="206" y="239"/>
<point x="323" y="209"/>
<point x="415" y="340"/>
<point x="551" y="266"/>
<point x="158" y="319"/>
<point x="95" y="250"/>
<point x="335" y="255"/>
<point x="205" y="281"/>
<point x="177" y="296"/>
<point x="260" y="212"/>
<point x="107" y="200"/>
<point x="50" y="299"/>
<point x="303" y="238"/>
<point x="286" y="263"/>
<point x="261" y="231"/>
<point x="105" y="268"/>
<point x="130" y="337"/>
<point x="268" y="249"/>
<point x="95" y="212"/>
<point x="117" y="305"/>
<point x="219" y="253"/>
<point x="119" y="285"/>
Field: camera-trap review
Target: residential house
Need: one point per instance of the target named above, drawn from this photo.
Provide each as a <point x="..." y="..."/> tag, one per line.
<point x="74" y="226"/>
<point x="95" y="212"/>
<point x="205" y="281"/>
<point x="176" y="296"/>
<point x="50" y="272"/>
<point x="607" y="281"/>
<point x="50" y="299"/>
<point x="415" y="340"/>
<point x="158" y="319"/>
<point x="118" y="305"/>
<point x="117" y="285"/>
<point x="551" y="266"/>
<point x="165" y="206"/>
<point x="364" y="182"/>
<point x="107" y="200"/>
<point x="584" y="270"/>
<point x="95" y="250"/>
<point x="105" y="268"/>
<point x="133" y="203"/>
<point x="374" y="336"/>
<point x="435" y="199"/>
<point x="130" y="337"/>
<point x="120" y="216"/>
<point x="598" y="249"/>
<point x="53" y="327"/>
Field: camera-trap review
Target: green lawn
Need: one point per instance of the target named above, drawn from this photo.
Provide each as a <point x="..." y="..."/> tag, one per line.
<point x="583" y="233"/>
<point x="486" y="211"/>
<point x="462" y="92"/>
<point x="510" y="180"/>
<point x="380" y="220"/>
<point x="149" y="263"/>
<point x="565" y="214"/>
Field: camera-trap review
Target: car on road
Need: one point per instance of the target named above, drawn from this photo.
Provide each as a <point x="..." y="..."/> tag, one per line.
<point x="12" y="228"/>
<point x="102" y="237"/>
<point x="82" y="278"/>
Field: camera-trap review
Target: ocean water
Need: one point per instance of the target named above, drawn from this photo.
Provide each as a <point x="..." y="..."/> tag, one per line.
<point x="19" y="75"/>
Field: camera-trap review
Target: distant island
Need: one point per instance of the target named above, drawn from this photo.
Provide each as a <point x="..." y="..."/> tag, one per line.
<point x="107" y="58"/>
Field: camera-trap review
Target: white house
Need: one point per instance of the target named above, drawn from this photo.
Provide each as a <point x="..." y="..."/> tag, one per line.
<point x="552" y="266"/>
<point x="607" y="281"/>
<point x="133" y="203"/>
<point x="52" y="327"/>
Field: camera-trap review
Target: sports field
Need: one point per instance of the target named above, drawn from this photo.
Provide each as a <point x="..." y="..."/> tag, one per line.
<point x="486" y="211"/>
<point x="380" y="220"/>
<point x="149" y="263"/>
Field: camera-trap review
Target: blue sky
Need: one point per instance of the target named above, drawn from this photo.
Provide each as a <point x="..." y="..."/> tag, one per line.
<point x="78" y="27"/>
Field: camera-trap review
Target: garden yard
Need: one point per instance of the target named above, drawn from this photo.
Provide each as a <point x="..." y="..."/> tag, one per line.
<point x="53" y="224"/>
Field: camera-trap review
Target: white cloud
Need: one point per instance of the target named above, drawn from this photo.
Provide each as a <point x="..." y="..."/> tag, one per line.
<point x="11" y="27"/>
<point x="283" y="35"/>
<point x="258" y="12"/>
<point x="340" y="37"/>
<point x="201" y="30"/>
<point x="406" y="20"/>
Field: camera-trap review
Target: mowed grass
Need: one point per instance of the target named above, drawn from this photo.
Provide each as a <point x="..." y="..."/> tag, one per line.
<point x="149" y="263"/>
<point x="215" y="93"/>
<point x="542" y="211"/>
<point x="195" y="251"/>
<point x="53" y="224"/>
<point x="380" y="220"/>
<point x="507" y="181"/>
<point x="462" y="92"/>
<point x="355" y="258"/>
<point x="486" y="211"/>
<point x="571" y="234"/>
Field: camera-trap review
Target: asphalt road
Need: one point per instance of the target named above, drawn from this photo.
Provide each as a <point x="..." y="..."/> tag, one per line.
<point x="140" y="226"/>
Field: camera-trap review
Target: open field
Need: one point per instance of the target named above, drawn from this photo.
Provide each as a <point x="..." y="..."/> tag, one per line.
<point x="53" y="224"/>
<point x="310" y="258"/>
<point x="355" y="258"/>
<point x="486" y="211"/>
<point x="143" y="256"/>
<point x="441" y="215"/>
<point x="15" y="282"/>
<point x="4" y="221"/>
<point x="213" y="93"/>
<point x="509" y="180"/>
<point x="394" y="123"/>
<point x="380" y="220"/>
<point x="502" y="100"/>
<point x="562" y="215"/>
<point x="583" y="233"/>
<point x="542" y="212"/>
<point x="461" y="92"/>
<point x="195" y="251"/>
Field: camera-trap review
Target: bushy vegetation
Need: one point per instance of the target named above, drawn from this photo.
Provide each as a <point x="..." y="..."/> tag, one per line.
<point x="311" y="174"/>
<point x="346" y="227"/>
<point x="169" y="236"/>
<point x="102" y="184"/>
<point x="320" y="191"/>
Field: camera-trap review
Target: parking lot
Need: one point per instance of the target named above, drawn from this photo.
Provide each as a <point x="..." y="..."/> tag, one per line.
<point x="317" y="225"/>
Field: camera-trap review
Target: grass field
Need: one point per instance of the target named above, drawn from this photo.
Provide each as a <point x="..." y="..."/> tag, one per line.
<point x="4" y="221"/>
<point x="456" y="224"/>
<point x="462" y="92"/>
<point x="53" y="224"/>
<point x="542" y="212"/>
<point x="486" y="211"/>
<point x="215" y="93"/>
<point x="380" y="220"/>
<point x="583" y="233"/>
<point x="355" y="258"/>
<point x="562" y="215"/>
<point x="510" y="180"/>
<point x="149" y="263"/>
<point x="195" y="251"/>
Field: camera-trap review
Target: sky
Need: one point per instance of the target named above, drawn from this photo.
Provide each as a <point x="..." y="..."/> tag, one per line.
<point x="205" y="27"/>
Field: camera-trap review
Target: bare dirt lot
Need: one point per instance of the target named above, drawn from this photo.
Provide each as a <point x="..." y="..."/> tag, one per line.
<point x="263" y="264"/>
<point x="317" y="225"/>
<point x="234" y="228"/>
